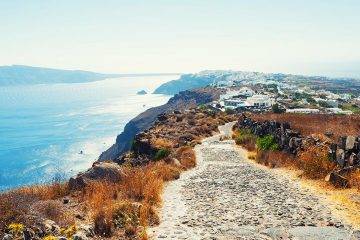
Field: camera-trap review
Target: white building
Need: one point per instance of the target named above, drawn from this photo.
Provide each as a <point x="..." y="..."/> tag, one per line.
<point x="302" y="110"/>
<point x="339" y="111"/>
<point x="333" y="103"/>
<point x="234" y="103"/>
<point x="260" y="101"/>
<point x="229" y="94"/>
<point x="345" y="97"/>
<point x="245" y="91"/>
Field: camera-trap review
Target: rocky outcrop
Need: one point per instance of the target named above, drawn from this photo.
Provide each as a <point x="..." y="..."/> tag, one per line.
<point x="183" y="100"/>
<point x="102" y="171"/>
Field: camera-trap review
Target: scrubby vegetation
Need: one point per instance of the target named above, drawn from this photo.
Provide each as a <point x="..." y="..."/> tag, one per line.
<point x="313" y="159"/>
<point x="309" y="124"/>
<point x="266" y="143"/>
<point x="245" y="138"/>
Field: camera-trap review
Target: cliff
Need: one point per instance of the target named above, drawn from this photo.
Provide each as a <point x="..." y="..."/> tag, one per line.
<point x="183" y="100"/>
<point x="185" y="82"/>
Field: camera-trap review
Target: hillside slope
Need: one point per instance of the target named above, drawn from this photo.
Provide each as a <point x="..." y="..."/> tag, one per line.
<point x="186" y="99"/>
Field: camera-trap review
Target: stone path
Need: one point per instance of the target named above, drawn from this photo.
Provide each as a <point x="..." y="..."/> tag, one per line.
<point x="229" y="197"/>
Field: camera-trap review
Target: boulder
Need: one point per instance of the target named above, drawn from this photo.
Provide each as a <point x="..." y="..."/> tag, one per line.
<point x="80" y="236"/>
<point x="8" y="237"/>
<point x="29" y="234"/>
<point x="357" y="146"/>
<point x="353" y="160"/>
<point x="50" y="227"/>
<point x="342" y="142"/>
<point x="328" y="133"/>
<point x="350" y="141"/>
<point x="86" y="229"/>
<point x="111" y="172"/>
<point x="340" y="157"/>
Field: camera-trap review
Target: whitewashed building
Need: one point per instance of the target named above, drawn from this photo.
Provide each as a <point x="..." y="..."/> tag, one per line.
<point x="302" y="110"/>
<point x="260" y="101"/>
<point x="245" y="91"/>
<point x="234" y="103"/>
<point x="339" y="111"/>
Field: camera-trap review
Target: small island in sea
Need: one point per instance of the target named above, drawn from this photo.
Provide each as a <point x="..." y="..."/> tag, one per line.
<point x="142" y="92"/>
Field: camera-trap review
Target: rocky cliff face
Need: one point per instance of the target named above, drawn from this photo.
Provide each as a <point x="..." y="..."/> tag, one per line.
<point x="183" y="100"/>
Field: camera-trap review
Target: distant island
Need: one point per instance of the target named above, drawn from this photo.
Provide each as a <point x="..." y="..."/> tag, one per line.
<point x="27" y="75"/>
<point x="142" y="92"/>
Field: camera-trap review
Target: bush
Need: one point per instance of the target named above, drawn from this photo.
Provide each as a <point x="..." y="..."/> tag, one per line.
<point x="245" y="138"/>
<point x="103" y="224"/>
<point x="162" y="153"/>
<point x="324" y="104"/>
<point x="277" y="109"/>
<point x="203" y="107"/>
<point x="211" y="113"/>
<point x="274" y="159"/>
<point x="315" y="162"/>
<point x="230" y="111"/>
<point x="186" y="156"/>
<point x="267" y="143"/>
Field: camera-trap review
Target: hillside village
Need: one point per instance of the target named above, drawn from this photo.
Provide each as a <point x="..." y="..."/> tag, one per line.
<point x="266" y="94"/>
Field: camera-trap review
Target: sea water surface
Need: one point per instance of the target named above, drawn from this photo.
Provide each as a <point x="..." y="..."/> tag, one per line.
<point x="52" y="129"/>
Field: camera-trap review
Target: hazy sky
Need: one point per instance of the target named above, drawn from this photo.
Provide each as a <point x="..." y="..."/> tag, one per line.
<point x="319" y="37"/>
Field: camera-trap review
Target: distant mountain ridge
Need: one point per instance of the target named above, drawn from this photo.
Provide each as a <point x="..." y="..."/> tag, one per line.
<point x="26" y="75"/>
<point x="204" y="78"/>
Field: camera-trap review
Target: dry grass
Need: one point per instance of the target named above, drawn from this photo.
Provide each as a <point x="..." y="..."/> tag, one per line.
<point x="354" y="179"/>
<point x="131" y="202"/>
<point x="245" y="139"/>
<point x="315" y="162"/>
<point x="252" y="155"/>
<point x="54" y="210"/>
<point x="274" y="159"/>
<point x="15" y="204"/>
<point x="103" y="225"/>
<point x="308" y="124"/>
<point x="162" y="143"/>
<point x="186" y="156"/>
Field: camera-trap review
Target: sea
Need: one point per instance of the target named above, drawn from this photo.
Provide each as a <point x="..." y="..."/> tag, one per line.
<point x="49" y="131"/>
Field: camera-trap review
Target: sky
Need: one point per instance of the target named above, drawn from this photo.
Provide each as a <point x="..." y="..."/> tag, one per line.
<point x="317" y="37"/>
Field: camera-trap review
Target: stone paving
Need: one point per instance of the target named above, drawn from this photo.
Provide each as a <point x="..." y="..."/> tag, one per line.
<point x="228" y="196"/>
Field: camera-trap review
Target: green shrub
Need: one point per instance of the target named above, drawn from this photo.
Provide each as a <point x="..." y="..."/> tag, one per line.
<point x="162" y="153"/>
<point x="324" y="104"/>
<point x="267" y="143"/>
<point x="211" y="113"/>
<point x="277" y="109"/>
<point x="229" y="111"/>
<point x="203" y="107"/>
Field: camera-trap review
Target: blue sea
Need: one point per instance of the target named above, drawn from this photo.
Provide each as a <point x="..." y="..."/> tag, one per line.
<point x="52" y="129"/>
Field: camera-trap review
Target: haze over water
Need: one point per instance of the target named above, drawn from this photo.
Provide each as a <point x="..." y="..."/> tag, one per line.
<point x="43" y="128"/>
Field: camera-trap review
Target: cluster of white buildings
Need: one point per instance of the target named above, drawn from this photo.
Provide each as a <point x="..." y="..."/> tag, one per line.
<point x="269" y="91"/>
<point x="245" y="97"/>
